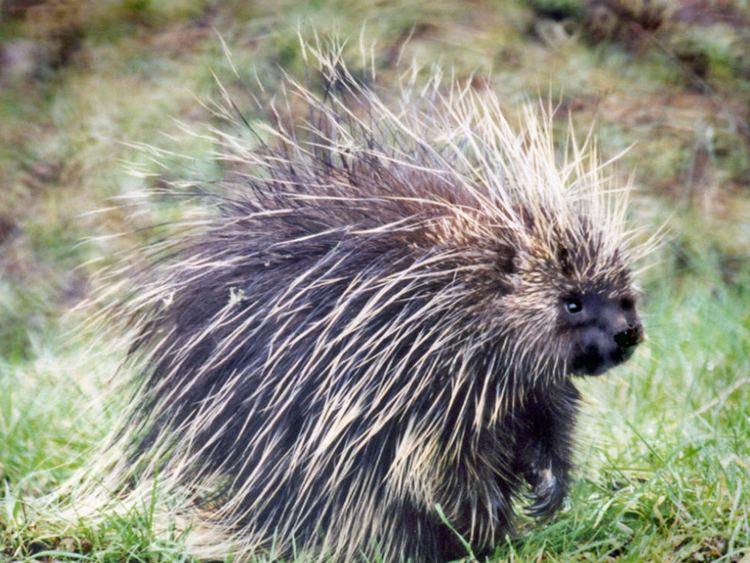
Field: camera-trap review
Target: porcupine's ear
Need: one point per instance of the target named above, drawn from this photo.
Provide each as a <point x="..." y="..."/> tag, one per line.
<point x="507" y="263"/>
<point x="619" y="270"/>
<point x="563" y="259"/>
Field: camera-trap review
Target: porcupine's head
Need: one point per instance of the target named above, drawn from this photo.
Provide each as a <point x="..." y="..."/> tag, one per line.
<point x="568" y="305"/>
<point x="575" y="299"/>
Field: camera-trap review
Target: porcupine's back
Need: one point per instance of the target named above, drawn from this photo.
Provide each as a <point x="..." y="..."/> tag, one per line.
<point x="322" y="360"/>
<point x="316" y="319"/>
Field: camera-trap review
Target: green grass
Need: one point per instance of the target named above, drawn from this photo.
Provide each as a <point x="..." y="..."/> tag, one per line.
<point x="664" y="460"/>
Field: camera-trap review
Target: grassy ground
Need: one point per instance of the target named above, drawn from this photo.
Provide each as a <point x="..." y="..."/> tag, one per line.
<point x="664" y="465"/>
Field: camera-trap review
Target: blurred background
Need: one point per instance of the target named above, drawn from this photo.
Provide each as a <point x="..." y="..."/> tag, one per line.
<point x="86" y="84"/>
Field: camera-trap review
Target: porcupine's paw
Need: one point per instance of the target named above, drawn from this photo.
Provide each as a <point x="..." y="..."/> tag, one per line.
<point x="547" y="495"/>
<point x="548" y="483"/>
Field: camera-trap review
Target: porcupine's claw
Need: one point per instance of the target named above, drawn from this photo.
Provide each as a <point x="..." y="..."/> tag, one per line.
<point x="547" y="495"/>
<point x="548" y="485"/>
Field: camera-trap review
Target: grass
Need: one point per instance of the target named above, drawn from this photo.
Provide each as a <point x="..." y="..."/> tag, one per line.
<point x="664" y="460"/>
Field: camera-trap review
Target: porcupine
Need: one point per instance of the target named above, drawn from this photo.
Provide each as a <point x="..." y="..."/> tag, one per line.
<point x="376" y="332"/>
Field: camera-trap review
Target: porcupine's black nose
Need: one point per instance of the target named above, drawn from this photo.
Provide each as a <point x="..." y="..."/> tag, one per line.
<point x="629" y="337"/>
<point x="626" y="341"/>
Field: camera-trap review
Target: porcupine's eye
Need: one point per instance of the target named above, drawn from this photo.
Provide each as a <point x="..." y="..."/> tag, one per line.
<point x="573" y="305"/>
<point x="627" y="303"/>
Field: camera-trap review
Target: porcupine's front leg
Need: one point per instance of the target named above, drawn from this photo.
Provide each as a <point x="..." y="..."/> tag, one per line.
<point x="546" y="447"/>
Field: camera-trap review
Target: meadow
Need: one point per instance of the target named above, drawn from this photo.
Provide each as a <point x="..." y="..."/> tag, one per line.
<point x="663" y="470"/>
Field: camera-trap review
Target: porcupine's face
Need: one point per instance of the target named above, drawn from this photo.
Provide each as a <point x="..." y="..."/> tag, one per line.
<point x="582" y="307"/>
<point x="595" y="312"/>
<point x="602" y="329"/>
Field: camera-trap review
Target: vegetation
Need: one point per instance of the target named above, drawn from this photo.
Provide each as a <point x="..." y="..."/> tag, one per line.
<point x="664" y="465"/>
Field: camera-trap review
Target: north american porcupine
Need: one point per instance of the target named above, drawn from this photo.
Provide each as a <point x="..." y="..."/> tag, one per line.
<point x="377" y="330"/>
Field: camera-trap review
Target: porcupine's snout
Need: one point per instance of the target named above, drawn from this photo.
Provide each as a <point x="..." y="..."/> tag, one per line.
<point x="608" y="338"/>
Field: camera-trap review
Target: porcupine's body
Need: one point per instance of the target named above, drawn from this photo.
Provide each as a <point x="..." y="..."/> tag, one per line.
<point x="381" y="323"/>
